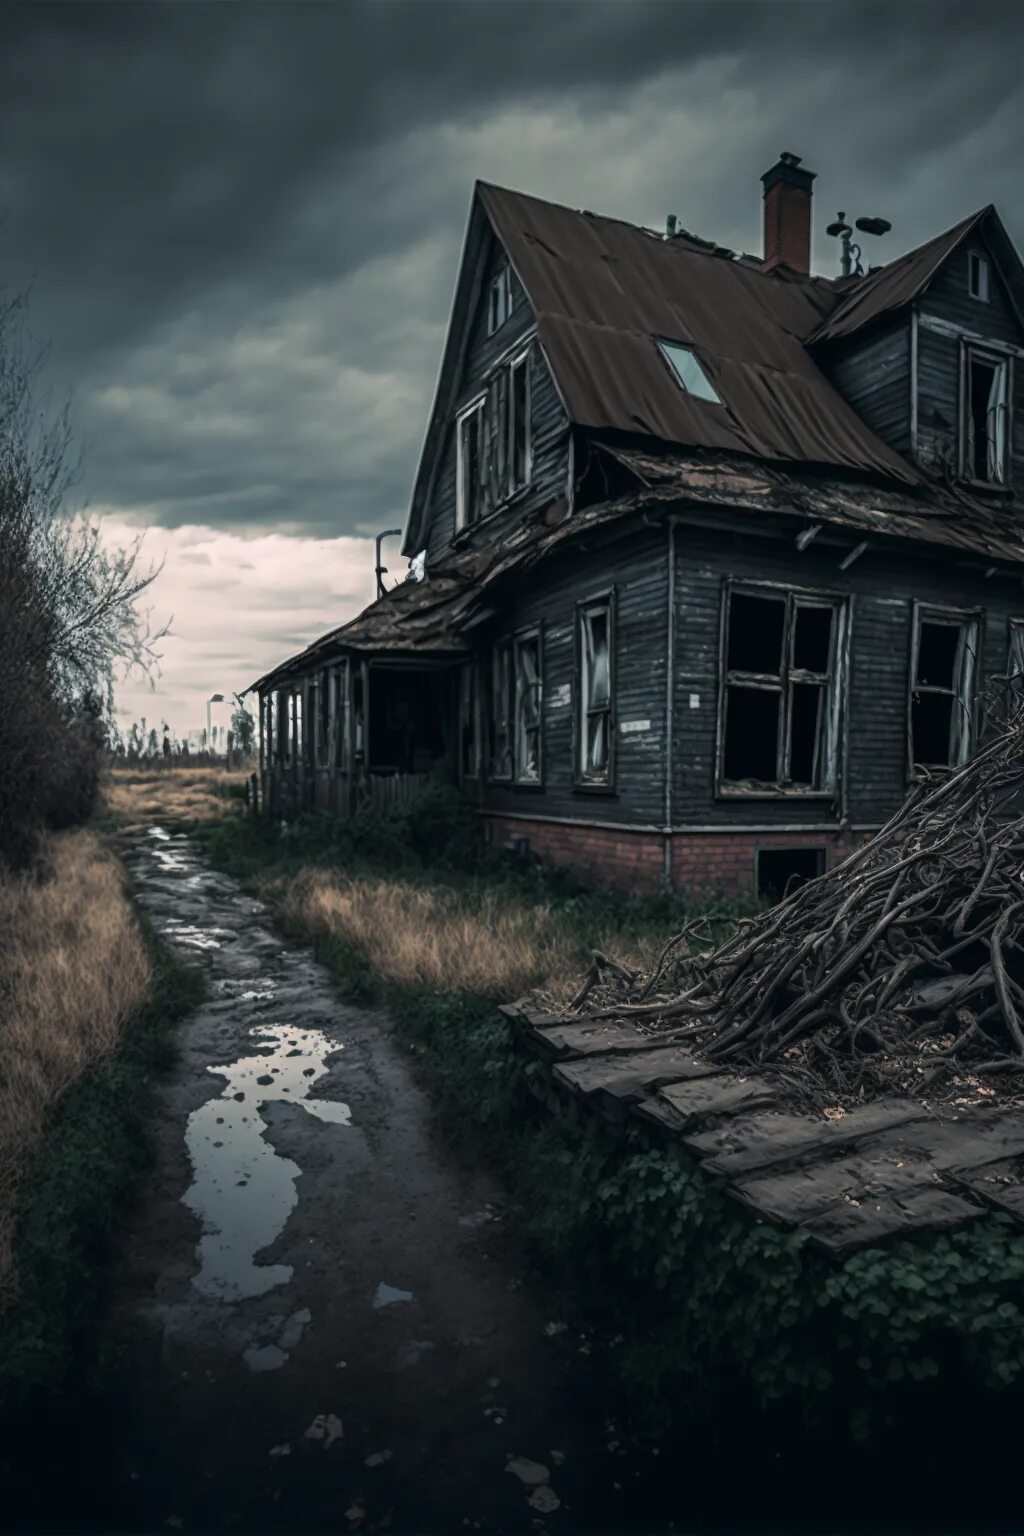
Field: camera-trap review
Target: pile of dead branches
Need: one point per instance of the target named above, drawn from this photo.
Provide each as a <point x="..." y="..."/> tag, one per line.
<point x="902" y="969"/>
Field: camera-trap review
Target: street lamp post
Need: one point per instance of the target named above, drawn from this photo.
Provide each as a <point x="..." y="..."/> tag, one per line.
<point x="215" y="698"/>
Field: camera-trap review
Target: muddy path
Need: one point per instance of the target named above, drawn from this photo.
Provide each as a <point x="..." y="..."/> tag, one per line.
<point x="320" y="1321"/>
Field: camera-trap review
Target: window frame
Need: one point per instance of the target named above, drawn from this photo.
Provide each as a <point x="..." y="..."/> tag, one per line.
<point x="993" y="353"/>
<point x="474" y="407"/>
<point x="666" y="346"/>
<point x="984" y="293"/>
<point x="526" y="636"/>
<point x="500" y="283"/>
<point x="520" y="360"/>
<point x="963" y="618"/>
<point x="835" y="683"/>
<point x="470" y="716"/>
<point x="1014" y="626"/>
<point x="494" y="695"/>
<point x="603" y="783"/>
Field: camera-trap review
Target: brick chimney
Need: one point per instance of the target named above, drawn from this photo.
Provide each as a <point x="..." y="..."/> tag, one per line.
<point x="787" y="215"/>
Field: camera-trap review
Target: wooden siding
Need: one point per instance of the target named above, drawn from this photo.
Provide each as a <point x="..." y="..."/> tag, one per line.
<point x="948" y="301"/>
<point x="638" y="572"/>
<point x="872" y="373"/>
<point x="883" y="588"/>
<point x="548" y="425"/>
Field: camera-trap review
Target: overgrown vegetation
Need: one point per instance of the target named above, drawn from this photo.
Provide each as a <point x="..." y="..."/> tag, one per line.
<point x="68" y="616"/>
<point x="87" y="998"/>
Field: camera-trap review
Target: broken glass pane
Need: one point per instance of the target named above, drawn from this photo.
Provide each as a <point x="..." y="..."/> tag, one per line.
<point x="936" y="654"/>
<point x="931" y="724"/>
<point x="752" y="734"/>
<point x="689" y="372"/>
<point x="812" y="638"/>
<point x="756" y="626"/>
<point x="528" y="710"/>
<point x="519" y="424"/>
<point x="595" y="657"/>
<point x="807" y="735"/>
<point x="597" y="744"/>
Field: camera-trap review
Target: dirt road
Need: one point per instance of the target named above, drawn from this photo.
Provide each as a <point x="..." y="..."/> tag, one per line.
<point x="321" y="1322"/>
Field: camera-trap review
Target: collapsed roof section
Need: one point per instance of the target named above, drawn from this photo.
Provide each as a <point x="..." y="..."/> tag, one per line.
<point x="432" y="617"/>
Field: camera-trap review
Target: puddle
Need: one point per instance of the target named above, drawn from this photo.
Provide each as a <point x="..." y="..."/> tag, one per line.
<point x="289" y="1331"/>
<point x="388" y="1295"/>
<point x="242" y="1190"/>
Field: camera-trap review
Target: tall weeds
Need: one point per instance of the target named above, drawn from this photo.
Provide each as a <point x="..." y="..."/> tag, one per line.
<point x="73" y="972"/>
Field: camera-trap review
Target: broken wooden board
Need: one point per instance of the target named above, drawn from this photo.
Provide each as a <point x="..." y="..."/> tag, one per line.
<point x="614" y="1081"/>
<point x="891" y="1162"/>
<point x="706" y="1098"/>
<point x="592" y="1039"/>
<point x="998" y="1185"/>
<point x="771" y="1140"/>
<point x="848" y="1227"/>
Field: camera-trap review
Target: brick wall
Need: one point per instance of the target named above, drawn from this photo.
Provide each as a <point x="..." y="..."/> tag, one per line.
<point x="701" y="861"/>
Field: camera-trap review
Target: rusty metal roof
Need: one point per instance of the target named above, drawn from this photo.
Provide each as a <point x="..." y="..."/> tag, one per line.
<point x="896" y="284"/>
<point x="604" y="291"/>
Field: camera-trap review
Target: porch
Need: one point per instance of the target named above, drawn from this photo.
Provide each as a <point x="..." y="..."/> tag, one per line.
<point x="358" y="733"/>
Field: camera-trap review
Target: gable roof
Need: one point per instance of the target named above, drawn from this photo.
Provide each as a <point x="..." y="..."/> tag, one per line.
<point x="603" y="291"/>
<point x="896" y="284"/>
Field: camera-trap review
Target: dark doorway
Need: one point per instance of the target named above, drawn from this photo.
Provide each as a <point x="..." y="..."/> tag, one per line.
<point x="781" y="870"/>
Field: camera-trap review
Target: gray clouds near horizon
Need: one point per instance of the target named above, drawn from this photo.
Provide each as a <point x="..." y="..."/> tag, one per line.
<point x="241" y="223"/>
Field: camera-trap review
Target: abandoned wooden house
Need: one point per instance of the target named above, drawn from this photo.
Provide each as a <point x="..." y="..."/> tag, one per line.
<point x="710" y="555"/>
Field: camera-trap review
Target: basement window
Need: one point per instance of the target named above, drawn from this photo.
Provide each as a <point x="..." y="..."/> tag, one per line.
<point x="688" y="372"/>
<point x="499" y="299"/>
<point x="780" y="871"/>
<point x="945" y="648"/>
<point x="527" y="715"/>
<point x="985" y="432"/>
<point x="977" y="276"/>
<point x="594" y="727"/>
<point x="781" y="691"/>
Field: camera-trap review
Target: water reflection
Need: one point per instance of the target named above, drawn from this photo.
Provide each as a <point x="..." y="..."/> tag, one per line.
<point x="242" y="1190"/>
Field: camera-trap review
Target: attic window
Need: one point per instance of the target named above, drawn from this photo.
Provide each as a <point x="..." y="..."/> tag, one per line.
<point x="688" y="371"/>
<point x="499" y="299"/>
<point x="986" y="417"/>
<point x="977" y="276"/>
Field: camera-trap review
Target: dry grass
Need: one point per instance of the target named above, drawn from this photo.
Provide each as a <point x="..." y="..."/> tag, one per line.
<point x="432" y="937"/>
<point x="140" y="796"/>
<point x="73" y="972"/>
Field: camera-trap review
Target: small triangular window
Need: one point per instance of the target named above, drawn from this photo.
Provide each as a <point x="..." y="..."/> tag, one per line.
<point x="688" y="371"/>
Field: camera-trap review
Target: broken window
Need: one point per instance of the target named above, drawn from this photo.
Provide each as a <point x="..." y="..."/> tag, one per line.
<point x="1015" y="666"/>
<point x="942" y="688"/>
<point x="470" y="464"/>
<point x="688" y="372"/>
<point x="499" y="299"/>
<point x="501" y="692"/>
<point x="518" y="448"/>
<point x="469" y="721"/>
<point x="526" y="666"/>
<point x="781" y="696"/>
<point x="977" y="276"/>
<point x="297" y="738"/>
<point x="986" y="417"/>
<point x="594" y="693"/>
<point x="780" y="871"/>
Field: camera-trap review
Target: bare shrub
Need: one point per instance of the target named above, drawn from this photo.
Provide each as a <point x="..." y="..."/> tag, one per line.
<point x="73" y="972"/>
<point x="433" y="937"/>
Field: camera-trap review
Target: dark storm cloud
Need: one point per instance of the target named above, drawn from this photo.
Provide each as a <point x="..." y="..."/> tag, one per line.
<point x="242" y="221"/>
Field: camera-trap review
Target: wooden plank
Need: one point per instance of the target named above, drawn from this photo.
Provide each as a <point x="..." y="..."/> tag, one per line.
<point x="892" y="1162"/>
<point x="697" y="1102"/>
<point x="762" y="1141"/>
<point x="999" y="1185"/>
<point x="617" y="1080"/>
<point x="656" y="1110"/>
<point x="849" y="1227"/>
<point x="593" y="1039"/>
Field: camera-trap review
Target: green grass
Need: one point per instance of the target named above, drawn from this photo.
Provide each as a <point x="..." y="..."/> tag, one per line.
<point x="76" y="1195"/>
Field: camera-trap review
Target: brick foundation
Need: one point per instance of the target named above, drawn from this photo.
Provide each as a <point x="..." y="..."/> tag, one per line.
<point x="701" y="861"/>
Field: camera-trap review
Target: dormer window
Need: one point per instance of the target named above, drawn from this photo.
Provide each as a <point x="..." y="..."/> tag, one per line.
<point x="493" y="442"/>
<point x="977" y="276"/>
<point x="688" y="372"/>
<point x="499" y="299"/>
<point x="985" y="427"/>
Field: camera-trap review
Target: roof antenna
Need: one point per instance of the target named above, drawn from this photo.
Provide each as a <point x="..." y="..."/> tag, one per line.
<point x="849" y="260"/>
<point x="382" y="570"/>
<point x="670" y="225"/>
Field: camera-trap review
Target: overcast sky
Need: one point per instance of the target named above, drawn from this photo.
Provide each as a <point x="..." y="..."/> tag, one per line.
<point x="241" y="225"/>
